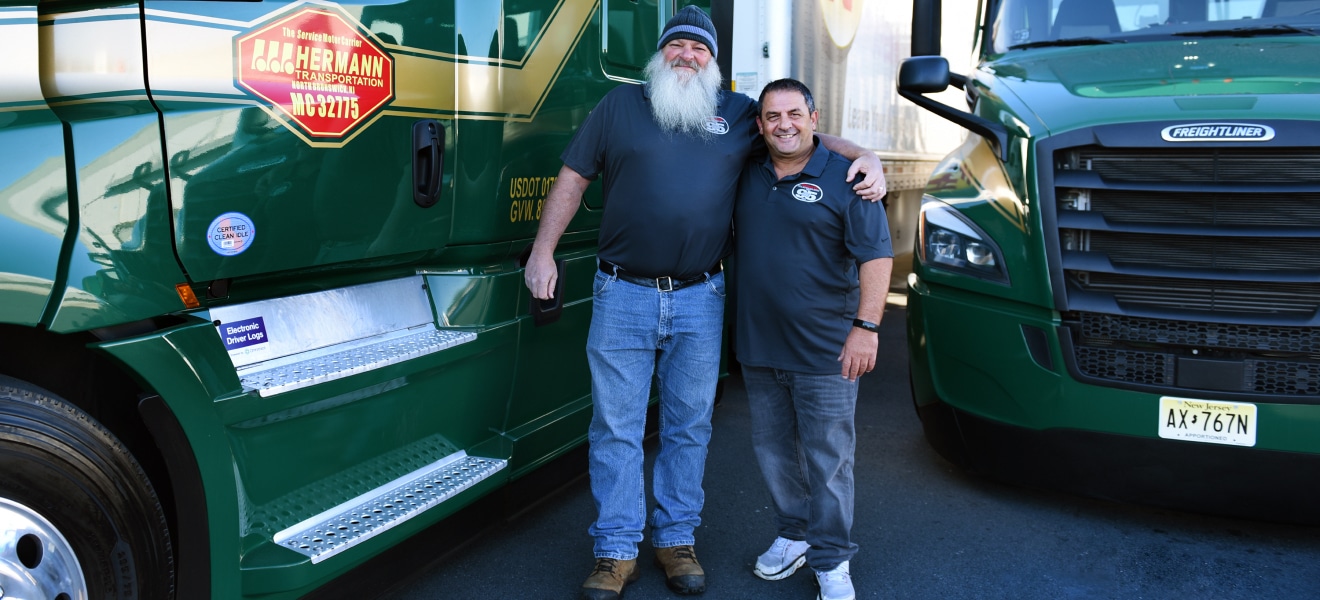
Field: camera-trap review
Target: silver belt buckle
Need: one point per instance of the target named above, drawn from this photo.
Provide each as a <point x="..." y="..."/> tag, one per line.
<point x="664" y="284"/>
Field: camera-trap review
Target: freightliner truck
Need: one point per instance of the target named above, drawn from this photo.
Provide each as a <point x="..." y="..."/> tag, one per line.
<point x="262" y="315"/>
<point x="1117" y="279"/>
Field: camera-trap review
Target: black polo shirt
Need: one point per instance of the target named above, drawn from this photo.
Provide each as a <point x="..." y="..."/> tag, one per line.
<point x="668" y="197"/>
<point x="799" y="242"/>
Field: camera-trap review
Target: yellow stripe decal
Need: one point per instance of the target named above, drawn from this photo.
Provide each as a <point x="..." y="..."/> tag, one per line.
<point x="191" y="54"/>
<point x="489" y="91"/>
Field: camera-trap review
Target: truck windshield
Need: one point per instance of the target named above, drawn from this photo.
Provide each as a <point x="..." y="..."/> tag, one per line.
<point x="1019" y="24"/>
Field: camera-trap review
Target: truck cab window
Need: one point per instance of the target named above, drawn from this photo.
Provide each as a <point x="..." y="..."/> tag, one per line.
<point x="1020" y="24"/>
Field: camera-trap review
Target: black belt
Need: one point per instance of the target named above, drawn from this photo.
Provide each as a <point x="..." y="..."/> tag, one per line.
<point x="663" y="284"/>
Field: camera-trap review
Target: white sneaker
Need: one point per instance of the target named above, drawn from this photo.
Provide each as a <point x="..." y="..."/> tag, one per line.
<point x="781" y="560"/>
<point x="835" y="584"/>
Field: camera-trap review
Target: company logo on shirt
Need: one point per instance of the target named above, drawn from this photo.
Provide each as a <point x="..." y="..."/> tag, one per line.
<point x="717" y="125"/>
<point x="808" y="192"/>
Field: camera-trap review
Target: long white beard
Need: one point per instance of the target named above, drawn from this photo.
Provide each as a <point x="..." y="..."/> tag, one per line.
<point x="682" y="103"/>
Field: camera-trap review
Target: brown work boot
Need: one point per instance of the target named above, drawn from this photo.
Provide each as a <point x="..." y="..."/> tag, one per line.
<point x="608" y="578"/>
<point x="683" y="573"/>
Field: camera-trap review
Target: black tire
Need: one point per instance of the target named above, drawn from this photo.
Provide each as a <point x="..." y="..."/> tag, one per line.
<point x="81" y="493"/>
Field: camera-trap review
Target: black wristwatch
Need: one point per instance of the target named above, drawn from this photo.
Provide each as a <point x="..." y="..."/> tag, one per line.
<point x="867" y="325"/>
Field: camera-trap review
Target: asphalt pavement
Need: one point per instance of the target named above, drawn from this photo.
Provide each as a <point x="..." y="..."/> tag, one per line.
<point x="926" y="530"/>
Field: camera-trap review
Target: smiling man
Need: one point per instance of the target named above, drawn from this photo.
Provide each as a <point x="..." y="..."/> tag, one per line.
<point x="669" y="152"/>
<point x="814" y="261"/>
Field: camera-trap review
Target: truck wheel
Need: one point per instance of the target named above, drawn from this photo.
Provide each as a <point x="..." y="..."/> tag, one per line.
<point x="78" y="518"/>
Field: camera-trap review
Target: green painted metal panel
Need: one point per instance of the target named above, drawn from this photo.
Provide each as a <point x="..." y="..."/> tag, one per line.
<point x="979" y="362"/>
<point x="978" y="185"/>
<point x="311" y="198"/>
<point x="503" y="78"/>
<point x="476" y="300"/>
<point x="965" y="335"/>
<point x="552" y="374"/>
<point x="188" y="367"/>
<point x="33" y="182"/>
<point x="115" y="269"/>
<point x="549" y="401"/>
<point x="155" y="162"/>
<point x="304" y="452"/>
<point x="118" y="266"/>
<point x="270" y="462"/>
<point x="507" y="183"/>
<point x="1068" y="88"/>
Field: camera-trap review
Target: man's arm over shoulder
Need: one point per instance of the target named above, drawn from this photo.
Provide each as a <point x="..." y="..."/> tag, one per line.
<point x="872" y="186"/>
<point x="560" y="206"/>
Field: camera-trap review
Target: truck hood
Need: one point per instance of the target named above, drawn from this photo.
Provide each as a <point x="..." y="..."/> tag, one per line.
<point x="1068" y="88"/>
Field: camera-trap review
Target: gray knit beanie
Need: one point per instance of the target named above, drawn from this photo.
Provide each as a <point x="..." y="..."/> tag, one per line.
<point x="690" y="24"/>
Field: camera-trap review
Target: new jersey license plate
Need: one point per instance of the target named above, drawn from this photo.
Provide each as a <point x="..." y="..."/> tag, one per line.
<point x="1209" y="421"/>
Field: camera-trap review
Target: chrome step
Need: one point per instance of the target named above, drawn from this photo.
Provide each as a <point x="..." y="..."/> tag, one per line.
<point x="375" y="512"/>
<point x="336" y="364"/>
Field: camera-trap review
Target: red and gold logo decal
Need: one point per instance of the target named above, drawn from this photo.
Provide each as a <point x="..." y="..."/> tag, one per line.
<point x="318" y="69"/>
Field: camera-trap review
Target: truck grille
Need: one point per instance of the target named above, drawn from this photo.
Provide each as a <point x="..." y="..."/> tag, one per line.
<point x="1205" y="295"/>
<point x="1146" y="352"/>
<point x="1190" y="270"/>
<point x="1271" y="166"/>
<point x="1266" y="377"/>
<point x="1114" y="329"/>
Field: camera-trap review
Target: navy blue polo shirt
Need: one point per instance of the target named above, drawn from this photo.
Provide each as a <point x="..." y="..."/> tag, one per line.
<point x="799" y="243"/>
<point x="668" y="196"/>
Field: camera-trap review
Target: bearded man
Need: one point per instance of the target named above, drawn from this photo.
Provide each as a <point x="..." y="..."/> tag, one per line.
<point x="670" y="152"/>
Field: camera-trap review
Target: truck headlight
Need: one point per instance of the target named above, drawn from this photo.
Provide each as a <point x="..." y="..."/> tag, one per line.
<point x="950" y="241"/>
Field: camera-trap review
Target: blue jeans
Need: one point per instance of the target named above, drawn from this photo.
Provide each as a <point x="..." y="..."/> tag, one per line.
<point x="804" y="440"/>
<point x="637" y="333"/>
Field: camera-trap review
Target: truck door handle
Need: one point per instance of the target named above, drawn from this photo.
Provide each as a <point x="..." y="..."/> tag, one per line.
<point x="545" y="312"/>
<point x="428" y="156"/>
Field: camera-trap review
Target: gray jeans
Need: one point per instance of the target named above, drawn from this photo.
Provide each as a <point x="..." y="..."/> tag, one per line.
<point x="804" y="438"/>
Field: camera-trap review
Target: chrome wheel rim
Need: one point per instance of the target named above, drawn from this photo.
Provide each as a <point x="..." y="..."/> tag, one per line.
<point x="36" y="561"/>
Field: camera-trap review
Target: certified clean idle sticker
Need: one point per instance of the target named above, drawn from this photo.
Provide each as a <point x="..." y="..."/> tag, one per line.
<point x="231" y="233"/>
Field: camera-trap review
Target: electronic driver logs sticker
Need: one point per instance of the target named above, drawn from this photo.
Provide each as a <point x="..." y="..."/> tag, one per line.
<point x="243" y="333"/>
<point x="230" y="234"/>
<point x="317" y="69"/>
<point x="247" y="341"/>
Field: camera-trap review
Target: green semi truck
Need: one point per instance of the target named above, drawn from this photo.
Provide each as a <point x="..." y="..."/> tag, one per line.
<point x="1116" y="288"/>
<point x="262" y="314"/>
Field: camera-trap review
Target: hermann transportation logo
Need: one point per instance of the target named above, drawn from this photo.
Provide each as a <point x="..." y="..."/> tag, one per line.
<point x="1218" y="132"/>
<point x="318" y="69"/>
